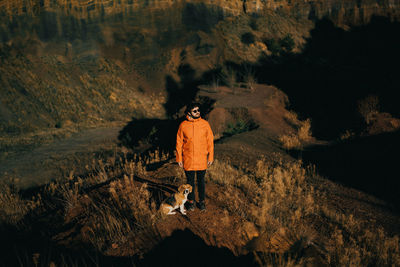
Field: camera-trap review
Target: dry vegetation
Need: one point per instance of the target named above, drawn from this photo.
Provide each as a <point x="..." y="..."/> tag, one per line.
<point x="368" y="107"/>
<point x="283" y="204"/>
<point x="13" y="207"/>
<point x="114" y="209"/>
<point x="302" y="135"/>
<point x="46" y="98"/>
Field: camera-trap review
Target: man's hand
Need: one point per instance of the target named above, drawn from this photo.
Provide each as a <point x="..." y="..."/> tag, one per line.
<point x="209" y="163"/>
<point x="180" y="164"/>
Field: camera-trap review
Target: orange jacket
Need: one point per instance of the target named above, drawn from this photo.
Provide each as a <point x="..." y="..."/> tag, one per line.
<point x="194" y="144"/>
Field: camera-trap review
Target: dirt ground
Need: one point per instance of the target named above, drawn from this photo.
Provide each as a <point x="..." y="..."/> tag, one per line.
<point x="40" y="165"/>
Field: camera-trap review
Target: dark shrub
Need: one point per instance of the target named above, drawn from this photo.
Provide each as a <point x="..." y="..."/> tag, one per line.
<point x="248" y="38"/>
<point x="287" y="43"/>
<point x="273" y="46"/>
<point x="253" y="24"/>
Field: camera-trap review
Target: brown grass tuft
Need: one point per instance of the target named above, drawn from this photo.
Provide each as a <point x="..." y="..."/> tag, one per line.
<point x="117" y="213"/>
<point x="300" y="137"/>
<point x="13" y="207"/>
<point x="281" y="203"/>
<point x="368" y="107"/>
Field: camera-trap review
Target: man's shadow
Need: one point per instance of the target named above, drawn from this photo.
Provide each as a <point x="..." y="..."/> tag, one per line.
<point x="144" y="135"/>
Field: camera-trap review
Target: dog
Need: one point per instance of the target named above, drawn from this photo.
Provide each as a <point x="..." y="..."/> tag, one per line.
<point x="177" y="200"/>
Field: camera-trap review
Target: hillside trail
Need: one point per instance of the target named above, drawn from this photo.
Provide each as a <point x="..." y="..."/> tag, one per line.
<point x="40" y="165"/>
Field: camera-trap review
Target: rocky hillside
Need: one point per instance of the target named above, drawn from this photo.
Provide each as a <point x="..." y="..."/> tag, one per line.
<point x="66" y="66"/>
<point x="62" y="69"/>
<point x="340" y="11"/>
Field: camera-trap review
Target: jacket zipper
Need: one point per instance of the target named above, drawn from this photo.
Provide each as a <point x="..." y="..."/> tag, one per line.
<point x="193" y="142"/>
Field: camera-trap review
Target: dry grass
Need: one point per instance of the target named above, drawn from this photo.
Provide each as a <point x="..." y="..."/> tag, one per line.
<point x="278" y="193"/>
<point x="290" y="141"/>
<point x="286" y="194"/>
<point x="249" y="79"/>
<point x="347" y="135"/>
<point x="120" y="210"/>
<point x="368" y="107"/>
<point x="13" y="208"/>
<point x="229" y="78"/>
<point x="279" y="201"/>
<point x="357" y="242"/>
<point x="125" y="213"/>
<point x="300" y="137"/>
<point x="276" y="197"/>
<point x="282" y="201"/>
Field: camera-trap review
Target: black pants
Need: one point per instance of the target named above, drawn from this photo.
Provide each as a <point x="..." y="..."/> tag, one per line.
<point x="200" y="184"/>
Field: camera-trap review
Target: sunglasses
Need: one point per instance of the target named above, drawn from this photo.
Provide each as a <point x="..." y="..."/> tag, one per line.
<point x="196" y="110"/>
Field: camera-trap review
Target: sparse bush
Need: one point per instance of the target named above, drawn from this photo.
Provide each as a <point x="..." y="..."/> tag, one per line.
<point x="239" y="127"/>
<point x="368" y="107"/>
<point x="229" y="77"/>
<point x="301" y="136"/>
<point x="347" y="135"/>
<point x="13" y="207"/>
<point x="248" y="38"/>
<point x="279" y="46"/>
<point x="214" y="85"/>
<point x="304" y="131"/>
<point x="290" y="141"/>
<point x="278" y="260"/>
<point x="127" y="212"/>
<point x="253" y="24"/>
<point x="287" y="43"/>
<point x="249" y="78"/>
<point x="273" y="46"/>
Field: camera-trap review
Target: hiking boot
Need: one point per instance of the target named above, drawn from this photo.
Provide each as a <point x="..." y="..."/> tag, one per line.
<point x="202" y="205"/>
<point x="190" y="205"/>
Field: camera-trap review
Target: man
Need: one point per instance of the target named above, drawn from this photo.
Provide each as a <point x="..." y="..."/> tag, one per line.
<point x="195" y="152"/>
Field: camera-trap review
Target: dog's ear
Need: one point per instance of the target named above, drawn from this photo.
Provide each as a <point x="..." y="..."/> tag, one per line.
<point x="181" y="188"/>
<point x="188" y="186"/>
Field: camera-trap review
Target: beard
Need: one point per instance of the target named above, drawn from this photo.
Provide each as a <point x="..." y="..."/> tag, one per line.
<point x="195" y="116"/>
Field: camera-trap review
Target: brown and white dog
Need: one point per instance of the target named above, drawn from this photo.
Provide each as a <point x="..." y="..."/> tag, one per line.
<point x="177" y="200"/>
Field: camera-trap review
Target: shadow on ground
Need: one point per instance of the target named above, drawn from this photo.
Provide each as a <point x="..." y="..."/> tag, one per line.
<point x="369" y="164"/>
<point x="33" y="247"/>
<point x="32" y="243"/>
<point x="184" y="248"/>
<point x="152" y="134"/>
<point x="335" y="69"/>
